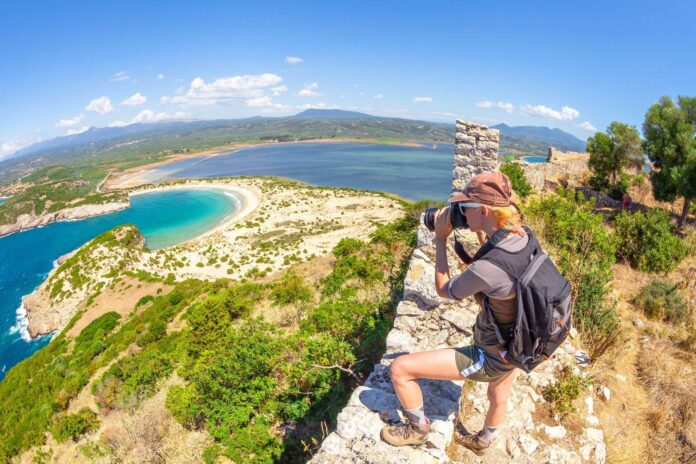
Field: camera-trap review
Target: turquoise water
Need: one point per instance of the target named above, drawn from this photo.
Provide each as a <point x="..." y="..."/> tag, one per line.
<point x="164" y="218"/>
<point x="413" y="173"/>
<point x="536" y="159"/>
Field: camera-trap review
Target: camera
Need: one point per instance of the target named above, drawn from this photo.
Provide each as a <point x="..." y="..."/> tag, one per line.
<point x="457" y="219"/>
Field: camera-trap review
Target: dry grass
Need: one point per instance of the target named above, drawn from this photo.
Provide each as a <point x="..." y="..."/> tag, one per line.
<point x="650" y="417"/>
<point x="668" y="375"/>
<point x="152" y="435"/>
<point x="122" y="299"/>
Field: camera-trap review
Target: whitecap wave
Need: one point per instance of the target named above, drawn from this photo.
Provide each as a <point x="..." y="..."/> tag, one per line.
<point x="22" y="324"/>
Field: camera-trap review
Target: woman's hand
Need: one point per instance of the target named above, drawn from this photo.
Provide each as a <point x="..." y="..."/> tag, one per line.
<point x="443" y="224"/>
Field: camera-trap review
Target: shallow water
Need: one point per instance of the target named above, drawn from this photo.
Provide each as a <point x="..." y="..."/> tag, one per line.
<point x="164" y="218"/>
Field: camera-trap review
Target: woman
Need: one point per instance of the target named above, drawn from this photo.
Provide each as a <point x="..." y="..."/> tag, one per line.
<point x="486" y="203"/>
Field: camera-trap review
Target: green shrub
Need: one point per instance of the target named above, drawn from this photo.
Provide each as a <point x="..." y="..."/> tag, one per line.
<point x="647" y="242"/>
<point x="131" y="379"/>
<point x="291" y="288"/>
<point x="563" y="393"/>
<point x="73" y="426"/>
<point x="519" y="181"/>
<point x="583" y="249"/>
<point x="661" y="300"/>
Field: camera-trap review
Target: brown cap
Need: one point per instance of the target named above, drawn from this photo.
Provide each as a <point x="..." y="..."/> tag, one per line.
<point x="487" y="188"/>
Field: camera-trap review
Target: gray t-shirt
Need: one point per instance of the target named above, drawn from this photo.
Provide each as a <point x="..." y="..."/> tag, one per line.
<point x="487" y="278"/>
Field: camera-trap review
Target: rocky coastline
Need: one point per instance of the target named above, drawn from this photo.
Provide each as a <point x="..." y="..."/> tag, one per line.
<point x="29" y="221"/>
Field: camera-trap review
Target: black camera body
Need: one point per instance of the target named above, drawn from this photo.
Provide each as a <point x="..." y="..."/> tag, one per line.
<point x="457" y="219"/>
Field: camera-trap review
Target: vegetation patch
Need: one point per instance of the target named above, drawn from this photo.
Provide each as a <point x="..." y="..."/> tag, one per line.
<point x="661" y="300"/>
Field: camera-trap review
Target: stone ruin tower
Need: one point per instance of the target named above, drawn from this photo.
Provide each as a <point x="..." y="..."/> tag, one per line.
<point x="475" y="151"/>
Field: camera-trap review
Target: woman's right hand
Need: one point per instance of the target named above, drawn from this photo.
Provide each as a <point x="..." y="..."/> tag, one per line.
<point x="443" y="224"/>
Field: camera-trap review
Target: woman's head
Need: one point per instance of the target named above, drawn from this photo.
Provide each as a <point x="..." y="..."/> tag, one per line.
<point x="487" y="203"/>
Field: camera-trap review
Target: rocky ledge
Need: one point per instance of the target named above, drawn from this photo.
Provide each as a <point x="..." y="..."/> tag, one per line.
<point x="29" y="221"/>
<point x="425" y="321"/>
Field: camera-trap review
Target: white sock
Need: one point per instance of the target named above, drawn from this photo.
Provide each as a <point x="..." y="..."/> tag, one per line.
<point x="416" y="415"/>
<point x="488" y="433"/>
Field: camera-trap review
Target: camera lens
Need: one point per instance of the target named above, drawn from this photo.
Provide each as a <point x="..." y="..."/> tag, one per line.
<point x="429" y="218"/>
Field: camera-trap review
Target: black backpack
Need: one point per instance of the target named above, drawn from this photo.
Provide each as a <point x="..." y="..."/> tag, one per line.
<point x="544" y="306"/>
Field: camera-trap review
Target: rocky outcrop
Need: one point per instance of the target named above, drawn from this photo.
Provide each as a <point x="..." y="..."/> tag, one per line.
<point x="28" y="221"/>
<point x="79" y="274"/>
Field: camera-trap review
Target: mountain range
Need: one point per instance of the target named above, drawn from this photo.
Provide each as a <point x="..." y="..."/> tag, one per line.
<point x="110" y="143"/>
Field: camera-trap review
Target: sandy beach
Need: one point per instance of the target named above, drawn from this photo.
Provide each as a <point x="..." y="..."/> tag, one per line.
<point x="277" y="223"/>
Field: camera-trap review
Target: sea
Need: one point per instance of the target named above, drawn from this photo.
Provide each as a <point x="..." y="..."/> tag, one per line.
<point x="169" y="217"/>
<point x="164" y="218"/>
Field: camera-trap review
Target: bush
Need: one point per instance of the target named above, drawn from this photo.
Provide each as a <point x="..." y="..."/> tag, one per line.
<point x="519" y="181"/>
<point x="73" y="426"/>
<point x="661" y="300"/>
<point x="291" y="288"/>
<point x="583" y="249"/>
<point x="647" y="241"/>
<point x="563" y="393"/>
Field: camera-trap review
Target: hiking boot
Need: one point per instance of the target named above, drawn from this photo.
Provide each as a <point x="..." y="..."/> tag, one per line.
<point x="405" y="433"/>
<point x="473" y="442"/>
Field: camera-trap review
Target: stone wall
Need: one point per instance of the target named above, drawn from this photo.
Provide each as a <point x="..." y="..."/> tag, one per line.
<point x="475" y="151"/>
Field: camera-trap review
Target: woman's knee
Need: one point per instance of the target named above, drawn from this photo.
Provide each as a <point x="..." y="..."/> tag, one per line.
<point x="498" y="396"/>
<point x="399" y="369"/>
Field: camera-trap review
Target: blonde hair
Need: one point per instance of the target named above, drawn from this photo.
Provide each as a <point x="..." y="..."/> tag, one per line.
<point x="507" y="217"/>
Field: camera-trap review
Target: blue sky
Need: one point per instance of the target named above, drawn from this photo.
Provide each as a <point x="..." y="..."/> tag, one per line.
<point x="68" y="66"/>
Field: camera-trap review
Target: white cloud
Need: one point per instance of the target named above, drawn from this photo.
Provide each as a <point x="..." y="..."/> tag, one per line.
<point x="509" y="107"/>
<point x="70" y="121"/>
<point x="11" y="146"/>
<point x="278" y="90"/>
<point x="293" y="59"/>
<point x="120" y="76"/>
<point x="265" y="102"/>
<point x="309" y="90"/>
<point x="566" y="114"/>
<point x="319" y="105"/>
<point x="422" y="100"/>
<point x="225" y="90"/>
<point x="588" y="126"/>
<point x="77" y="131"/>
<point x="160" y="76"/>
<point x="134" y="100"/>
<point x="146" y="116"/>
<point x="101" y="105"/>
<point x="379" y="96"/>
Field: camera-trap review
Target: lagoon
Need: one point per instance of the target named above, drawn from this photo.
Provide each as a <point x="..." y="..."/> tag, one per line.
<point x="164" y="218"/>
<point x="414" y="173"/>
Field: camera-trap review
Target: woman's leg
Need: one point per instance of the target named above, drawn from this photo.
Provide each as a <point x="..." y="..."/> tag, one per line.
<point x="498" y="393"/>
<point x="438" y="365"/>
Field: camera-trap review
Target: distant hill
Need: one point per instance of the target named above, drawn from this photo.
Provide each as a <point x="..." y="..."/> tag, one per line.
<point x="526" y="135"/>
<point x="153" y="140"/>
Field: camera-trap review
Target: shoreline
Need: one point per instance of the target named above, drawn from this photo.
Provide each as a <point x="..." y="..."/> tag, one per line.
<point x="32" y="321"/>
<point x="248" y="202"/>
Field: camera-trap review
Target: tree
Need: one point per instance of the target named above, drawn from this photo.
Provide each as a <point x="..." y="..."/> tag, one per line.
<point x="669" y="131"/>
<point x="614" y="150"/>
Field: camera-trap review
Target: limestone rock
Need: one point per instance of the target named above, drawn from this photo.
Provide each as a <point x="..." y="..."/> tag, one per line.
<point x="604" y="393"/>
<point x="555" y="433"/>
<point x="528" y="444"/>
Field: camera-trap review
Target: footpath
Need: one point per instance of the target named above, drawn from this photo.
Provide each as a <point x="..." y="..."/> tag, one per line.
<point x="424" y="321"/>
